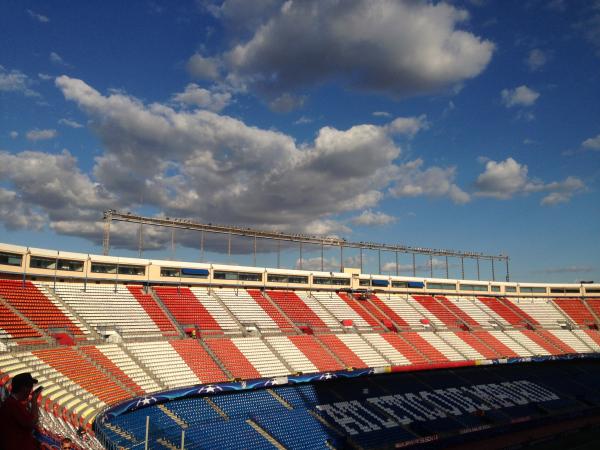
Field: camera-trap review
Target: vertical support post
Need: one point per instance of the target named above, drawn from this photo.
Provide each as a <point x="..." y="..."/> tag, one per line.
<point x="106" y="236"/>
<point x="182" y="439"/>
<point x="414" y="261"/>
<point x="300" y="265"/>
<point x="322" y="251"/>
<point x="478" y="277"/>
<point x="361" y="259"/>
<point x="341" y="258"/>
<point x="507" y="272"/>
<point x="397" y="266"/>
<point x="254" y="250"/>
<point x="172" y="244"/>
<point x="147" y="432"/>
<point x="202" y="246"/>
<point x="462" y="267"/>
<point x="278" y="254"/>
<point x="447" y="269"/>
<point x="55" y="270"/>
<point x="493" y="271"/>
<point x="379" y="260"/>
<point x="229" y="247"/>
<point x="431" y="265"/>
<point x="141" y="240"/>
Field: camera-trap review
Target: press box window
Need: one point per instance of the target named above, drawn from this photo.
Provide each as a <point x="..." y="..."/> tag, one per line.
<point x="37" y="262"/>
<point x="510" y="289"/>
<point x="112" y="269"/>
<point x="279" y="278"/>
<point x="364" y="282"/>
<point x="332" y="281"/>
<point x="564" y="291"/>
<point x="167" y="272"/>
<point x="237" y="276"/>
<point x="399" y="284"/>
<point x="532" y="290"/>
<point x="495" y="288"/>
<point x="442" y="286"/>
<point x="474" y="287"/>
<point x="10" y="259"/>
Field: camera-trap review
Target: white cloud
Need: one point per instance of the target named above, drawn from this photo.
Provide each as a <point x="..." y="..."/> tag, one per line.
<point x="395" y="47"/>
<point x="13" y="134"/>
<point x="536" y="59"/>
<point x="194" y="95"/>
<point x="40" y="135"/>
<point x="302" y="120"/>
<point x="520" y="96"/>
<point x="413" y="181"/>
<point x="408" y="126"/>
<point x="287" y="102"/>
<point x="39" y="17"/>
<point x="592" y="143"/>
<point x="70" y="123"/>
<point x="57" y="59"/>
<point x="16" y="81"/>
<point x="505" y="179"/>
<point x="381" y="114"/>
<point x="370" y="218"/>
<point x="196" y="163"/>
<point x="407" y="268"/>
<point x="45" y="76"/>
<point x="203" y="68"/>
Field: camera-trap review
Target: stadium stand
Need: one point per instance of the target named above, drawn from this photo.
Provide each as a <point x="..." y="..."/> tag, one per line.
<point x="95" y="344"/>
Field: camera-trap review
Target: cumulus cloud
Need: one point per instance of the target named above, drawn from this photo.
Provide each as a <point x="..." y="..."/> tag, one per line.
<point x="40" y="135"/>
<point x="520" y="96"/>
<point x="414" y="181"/>
<point x="381" y="114"/>
<point x="394" y="47"/>
<point x="39" y="17"/>
<point x="13" y="134"/>
<point x="203" y="68"/>
<point x="536" y="59"/>
<point x="287" y="102"/>
<point x="435" y="263"/>
<point x="203" y="165"/>
<point x="505" y="179"/>
<point x="57" y="59"/>
<point x="592" y="143"/>
<point x="70" y="123"/>
<point x="16" y="81"/>
<point x="408" y="126"/>
<point x="15" y="214"/>
<point x="370" y="218"/>
<point x="194" y="95"/>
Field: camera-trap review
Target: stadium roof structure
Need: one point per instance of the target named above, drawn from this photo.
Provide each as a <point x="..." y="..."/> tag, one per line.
<point x="297" y="238"/>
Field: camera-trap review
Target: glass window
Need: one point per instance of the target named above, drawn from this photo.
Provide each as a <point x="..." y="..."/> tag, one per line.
<point x="282" y="278"/>
<point x="58" y="264"/>
<point x="533" y="290"/>
<point x="364" y="282"/>
<point x="474" y="287"/>
<point x="10" y="259"/>
<point x="104" y="268"/>
<point x="332" y="281"/>
<point x="399" y="284"/>
<point x="510" y="289"/>
<point x="131" y="270"/>
<point x="445" y="286"/>
<point x="170" y="272"/>
<point x="237" y="276"/>
<point x="495" y="288"/>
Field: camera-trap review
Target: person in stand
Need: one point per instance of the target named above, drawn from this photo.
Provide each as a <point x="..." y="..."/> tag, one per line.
<point x="19" y="414"/>
<point x="66" y="444"/>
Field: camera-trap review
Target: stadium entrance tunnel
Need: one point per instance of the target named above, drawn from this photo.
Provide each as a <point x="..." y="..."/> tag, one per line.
<point x="499" y="404"/>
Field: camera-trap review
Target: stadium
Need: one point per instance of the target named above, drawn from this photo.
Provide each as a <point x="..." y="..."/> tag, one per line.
<point x="299" y="224"/>
<point x="136" y="353"/>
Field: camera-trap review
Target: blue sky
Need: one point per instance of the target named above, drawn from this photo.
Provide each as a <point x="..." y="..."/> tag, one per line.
<point x="469" y="125"/>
